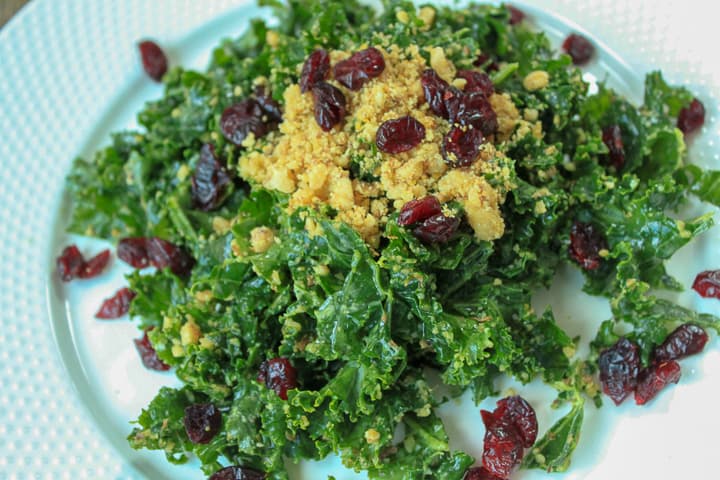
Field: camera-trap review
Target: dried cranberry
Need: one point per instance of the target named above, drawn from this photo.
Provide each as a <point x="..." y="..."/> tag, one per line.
<point x="480" y="473"/>
<point x="239" y="120"/>
<point x="619" y="367"/>
<point x="95" y="266"/>
<point x="477" y="82"/>
<point x="209" y="181"/>
<point x="117" y="305"/>
<point x="521" y="414"/>
<point x="133" y="251"/>
<point x="579" y="48"/>
<point x="470" y="108"/>
<point x="148" y="354"/>
<point x="687" y="339"/>
<point x="461" y="146"/>
<point x="586" y="242"/>
<point x="437" y="229"/>
<point x="434" y="89"/>
<point x="691" y="117"/>
<point x="153" y="59"/>
<point x="486" y="62"/>
<point x="707" y="283"/>
<point x="237" y="473"/>
<point x="516" y="15"/>
<point x="202" y="422"/>
<point x="279" y="375"/>
<point x="329" y="105"/>
<point x="270" y="106"/>
<point x="612" y="138"/>
<point x="315" y="69"/>
<point x="70" y="263"/>
<point x="502" y="450"/>
<point x="399" y="135"/>
<point x="654" y="378"/>
<point x="360" y="68"/>
<point x="165" y="254"/>
<point x="509" y="428"/>
<point x="418" y="210"/>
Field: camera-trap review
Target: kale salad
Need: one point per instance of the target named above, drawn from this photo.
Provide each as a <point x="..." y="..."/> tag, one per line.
<point x="353" y="207"/>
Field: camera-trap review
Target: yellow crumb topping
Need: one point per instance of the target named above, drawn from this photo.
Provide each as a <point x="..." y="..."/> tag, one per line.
<point x="536" y="80"/>
<point x="314" y="166"/>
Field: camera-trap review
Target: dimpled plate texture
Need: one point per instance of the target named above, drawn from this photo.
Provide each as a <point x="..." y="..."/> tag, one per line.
<point x="65" y="67"/>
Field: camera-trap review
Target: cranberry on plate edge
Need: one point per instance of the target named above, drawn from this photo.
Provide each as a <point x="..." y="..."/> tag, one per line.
<point x="154" y="60"/>
<point x="71" y="264"/>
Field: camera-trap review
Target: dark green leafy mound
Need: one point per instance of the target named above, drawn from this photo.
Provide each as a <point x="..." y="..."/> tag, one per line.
<point x="362" y="327"/>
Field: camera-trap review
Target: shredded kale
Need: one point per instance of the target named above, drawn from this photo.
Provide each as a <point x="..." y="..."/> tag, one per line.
<point x="363" y="326"/>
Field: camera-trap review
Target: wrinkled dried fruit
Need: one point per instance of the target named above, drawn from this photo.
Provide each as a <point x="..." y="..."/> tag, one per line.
<point x="477" y="82"/>
<point x="153" y="58"/>
<point x="70" y="263"/>
<point x="165" y="254"/>
<point x="418" y="210"/>
<point x="612" y="138"/>
<point x="707" y="283"/>
<point x="521" y="414"/>
<point x="315" y="69"/>
<point x="516" y="15"/>
<point x="140" y="252"/>
<point x="502" y="450"/>
<point x="619" y="367"/>
<point x="510" y="427"/>
<point x="279" y="375"/>
<point x="117" y="305"/>
<point x="329" y="106"/>
<point x="434" y="89"/>
<point x="692" y="117"/>
<point x="399" y="135"/>
<point x="133" y="251"/>
<point x="579" y="48"/>
<point x="437" y="229"/>
<point x="654" y="378"/>
<point x="586" y="242"/>
<point x="239" y="120"/>
<point x="480" y="473"/>
<point x="237" y="473"/>
<point x="470" y="108"/>
<point x="95" y="266"/>
<point x="148" y="354"/>
<point x="461" y="146"/>
<point x="687" y="339"/>
<point x="202" y="422"/>
<point x="270" y="106"/>
<point x="360" y="68"/>
<point x="210" y="180"/>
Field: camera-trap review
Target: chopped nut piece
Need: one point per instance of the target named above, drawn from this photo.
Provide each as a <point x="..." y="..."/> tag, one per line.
<point x="221" y="225"/>
<point x="372" y="435"/>
<point x="441" y="64"/>
<point x="261" y="239"/>
<point x="190" y="333"/>
<point x="402" y="16"/>
<point x="272" y="38"/>
<point x="427" y="15"/>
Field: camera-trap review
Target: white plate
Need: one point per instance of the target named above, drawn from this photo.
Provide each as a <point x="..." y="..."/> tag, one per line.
<point x="69" y="384"/>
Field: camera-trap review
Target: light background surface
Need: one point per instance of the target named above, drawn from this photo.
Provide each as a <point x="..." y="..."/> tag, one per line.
<point x="69" y="74"/>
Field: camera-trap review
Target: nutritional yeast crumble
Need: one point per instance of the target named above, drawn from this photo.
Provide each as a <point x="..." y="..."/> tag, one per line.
<point x="317" y="167"/>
